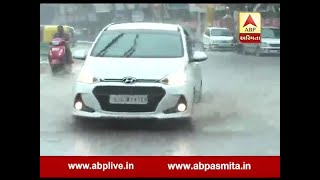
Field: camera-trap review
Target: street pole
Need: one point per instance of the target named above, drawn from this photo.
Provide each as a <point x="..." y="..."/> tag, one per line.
<point x="210" y="15"/>
<point x="199" y="24"/>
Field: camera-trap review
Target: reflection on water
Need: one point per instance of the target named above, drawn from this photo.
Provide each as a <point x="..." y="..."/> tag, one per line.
<point x="82" y="146"/>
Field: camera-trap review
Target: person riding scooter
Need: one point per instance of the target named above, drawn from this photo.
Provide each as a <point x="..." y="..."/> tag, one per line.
<point x="65" y="36"/>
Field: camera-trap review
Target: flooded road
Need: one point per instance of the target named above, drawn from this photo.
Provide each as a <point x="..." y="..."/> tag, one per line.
<point x="239" y="115"/>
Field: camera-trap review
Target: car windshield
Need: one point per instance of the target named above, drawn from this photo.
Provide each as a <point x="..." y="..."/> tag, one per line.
<point x="271" y="33"/>
<point x="139" y="44"/>
<point x="221" y="32"/>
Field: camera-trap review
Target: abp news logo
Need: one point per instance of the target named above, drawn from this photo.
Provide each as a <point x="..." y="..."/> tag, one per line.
<point x="249" y="27"/>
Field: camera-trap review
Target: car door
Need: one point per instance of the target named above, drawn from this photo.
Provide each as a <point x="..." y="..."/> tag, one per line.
<point x="206" y="38"/>
<point x="194" y="67"/>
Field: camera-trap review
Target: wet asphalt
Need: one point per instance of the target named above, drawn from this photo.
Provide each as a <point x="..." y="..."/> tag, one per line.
<point x="239" y="115"/>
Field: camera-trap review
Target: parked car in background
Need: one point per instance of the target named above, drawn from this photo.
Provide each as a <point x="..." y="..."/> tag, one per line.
<point x="217" y="38"/>
<point x="270" y="43"/>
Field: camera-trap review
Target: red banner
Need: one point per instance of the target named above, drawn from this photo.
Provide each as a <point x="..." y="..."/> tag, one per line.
<point x="160" y="166"/>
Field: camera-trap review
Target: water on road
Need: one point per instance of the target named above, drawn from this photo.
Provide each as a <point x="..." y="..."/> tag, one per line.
<point x="239" y="115"/>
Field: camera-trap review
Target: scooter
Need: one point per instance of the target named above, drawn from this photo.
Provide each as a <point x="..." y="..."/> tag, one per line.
<point x="57" y="57"/>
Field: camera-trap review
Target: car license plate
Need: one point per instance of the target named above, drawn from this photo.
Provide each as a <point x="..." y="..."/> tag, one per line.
<point x="128" y="99"/>
<point x="274" y="51"/>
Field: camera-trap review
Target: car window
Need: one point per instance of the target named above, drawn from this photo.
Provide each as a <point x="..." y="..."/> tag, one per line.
<point x="221" y="32"/>
<point x="149" y="44"/>
<point x="271" y="33"/>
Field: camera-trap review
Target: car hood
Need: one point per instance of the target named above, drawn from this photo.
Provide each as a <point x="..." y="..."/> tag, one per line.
<point x="271" y="40"/>
<point x="139" y="68"/>
<point x="221" y="38"/>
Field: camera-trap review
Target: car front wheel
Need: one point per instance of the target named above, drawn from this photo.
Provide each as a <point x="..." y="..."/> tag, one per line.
<point x="199" y="94"/>
<point x="243" y="51"/>
<point x="258" y="52"/>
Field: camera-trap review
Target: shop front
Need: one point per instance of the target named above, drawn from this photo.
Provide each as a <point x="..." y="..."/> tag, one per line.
<point x="47" y="13"/>
<point x="179" y="13"/>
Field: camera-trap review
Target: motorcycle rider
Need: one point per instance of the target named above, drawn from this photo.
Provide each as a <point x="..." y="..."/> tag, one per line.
<point x="61" y="34"/>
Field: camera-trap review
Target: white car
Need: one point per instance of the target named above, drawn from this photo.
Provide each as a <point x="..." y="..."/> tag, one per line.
<point x="270" y="43"/>
<point x="216" y="38"/>
<point x="139" y="70"/>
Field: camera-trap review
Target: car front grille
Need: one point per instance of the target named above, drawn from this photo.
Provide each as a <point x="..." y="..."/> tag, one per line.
<point x="274" y="45"/>
<point x="102" y="93"/>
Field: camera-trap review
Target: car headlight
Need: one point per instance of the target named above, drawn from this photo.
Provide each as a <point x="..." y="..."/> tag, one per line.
<point x="178" y="78"/>
<point x="264" y="44"/>
<point x="87" y="77"/>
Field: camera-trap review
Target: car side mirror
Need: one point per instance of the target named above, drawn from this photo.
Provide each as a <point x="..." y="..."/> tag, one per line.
<point x="199" y="56"/>
<point x="80" y="54"/>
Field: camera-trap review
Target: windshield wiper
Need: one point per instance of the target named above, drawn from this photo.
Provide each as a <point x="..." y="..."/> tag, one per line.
<point x="114" y="40"/>
<point x="133" y="48"/>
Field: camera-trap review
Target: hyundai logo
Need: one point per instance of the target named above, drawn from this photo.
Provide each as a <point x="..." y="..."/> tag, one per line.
<point x="129" y="80"/>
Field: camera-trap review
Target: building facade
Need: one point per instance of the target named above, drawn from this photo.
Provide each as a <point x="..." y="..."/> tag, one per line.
<point x="96" y="16"/>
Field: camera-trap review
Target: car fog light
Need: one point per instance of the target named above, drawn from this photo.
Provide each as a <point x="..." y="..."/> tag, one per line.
<point x="78" y="105"/>
<point x="182" y="107"/>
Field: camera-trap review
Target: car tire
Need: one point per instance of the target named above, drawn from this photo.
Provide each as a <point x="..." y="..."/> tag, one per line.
<point x="212" y="49"/>
<point x="239" y="48"/>
<point x="78" y="121"/>
<point x="243" y="51"/>
<point x="68" y="68"/>
<point x="187" y="123"/>
<point x="205" y="47"/>
<point x="199" y="94"/>
<point x="194" y="100"/>
<point x="54" y="69"/>
<point x="257" y="52"/>
<point x="188" y="120"/>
